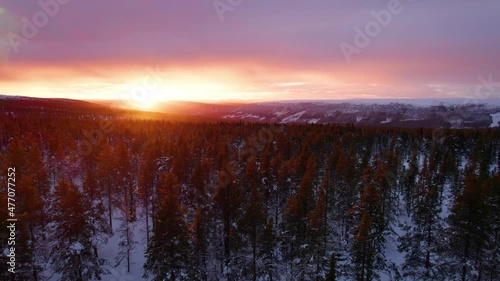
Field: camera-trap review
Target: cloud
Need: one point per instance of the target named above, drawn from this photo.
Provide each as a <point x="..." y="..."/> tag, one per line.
<point x="430" y="42"/>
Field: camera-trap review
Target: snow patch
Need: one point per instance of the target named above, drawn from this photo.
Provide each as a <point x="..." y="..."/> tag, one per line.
<point x="293" y="117"/>
<point x="456" y="123"/>
<point x="496" y="120"/>
<point x="138" y="258"/>
<point x="280" y="113"/>
<point x="313" y="120"/>
<point x="240" y="115"/>
<point x="77" y="247"/>
<point x="388" y="120"/>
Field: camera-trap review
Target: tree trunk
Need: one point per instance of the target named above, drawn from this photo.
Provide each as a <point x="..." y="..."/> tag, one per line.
<point x="110" y="208"/>
<point x="428" y="254"/>
<point x="254" y="253"/>
<point x="146" y="210"/>
<point x="227" y="233"/>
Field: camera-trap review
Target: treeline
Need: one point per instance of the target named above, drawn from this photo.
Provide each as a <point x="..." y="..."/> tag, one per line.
<point x="234" y="201"/>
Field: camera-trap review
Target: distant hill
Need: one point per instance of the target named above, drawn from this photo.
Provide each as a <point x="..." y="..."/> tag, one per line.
<point x="452" y="113"/>
<point x="26" y="105"/>
<point x="385" y="114"/>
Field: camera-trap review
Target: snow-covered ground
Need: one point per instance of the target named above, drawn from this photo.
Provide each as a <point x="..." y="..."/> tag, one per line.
<point x="392" y="254"/>
<point x="110" y="252"/>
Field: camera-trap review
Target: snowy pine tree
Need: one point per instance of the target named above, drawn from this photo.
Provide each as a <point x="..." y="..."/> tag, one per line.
<point x="169" y="252"/>
<point x="73" y="253"/>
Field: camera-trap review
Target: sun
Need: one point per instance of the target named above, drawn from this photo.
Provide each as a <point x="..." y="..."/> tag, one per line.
<point x="147" y="104"/>
<point x="140" y="101"/>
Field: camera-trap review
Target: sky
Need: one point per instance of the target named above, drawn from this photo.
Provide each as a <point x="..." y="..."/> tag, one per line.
<point x="250" y="49"/>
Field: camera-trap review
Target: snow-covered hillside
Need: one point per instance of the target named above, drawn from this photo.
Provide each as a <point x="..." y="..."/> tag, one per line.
<point x="387" y="113"/>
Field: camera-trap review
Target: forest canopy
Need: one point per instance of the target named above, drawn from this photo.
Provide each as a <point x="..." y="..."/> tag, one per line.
<point x="250" y="201"/>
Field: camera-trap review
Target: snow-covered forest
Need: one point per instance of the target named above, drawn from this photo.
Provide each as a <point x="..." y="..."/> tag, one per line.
<point x="107" y="198"/>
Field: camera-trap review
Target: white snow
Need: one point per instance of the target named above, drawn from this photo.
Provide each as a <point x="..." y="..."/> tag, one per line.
<point x="240" y="115"/>
<point x="457" y="123"/>
<point x="447" y="202"/>
<point x="14" y="97"/>
<point x="411" y="101"/>
<point x="77" y="247"/>
<point x="293" y="117"/>
<point x="494" y="168"/>
<point x="496" y="120"/>
<point x="392" y="253"/>
<point x="388" y="120"/>
<point x="137" y="260"/>
<point x="110" y="251"/>
<point x="280" y="113"/>
<point x="6" y="251"/>
<point x="406" y="164"/>
<point x="463" y="163"/>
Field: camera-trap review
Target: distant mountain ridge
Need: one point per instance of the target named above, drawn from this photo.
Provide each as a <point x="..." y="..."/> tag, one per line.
<point x="372" y="114"/>
<point x="407" y="113"/>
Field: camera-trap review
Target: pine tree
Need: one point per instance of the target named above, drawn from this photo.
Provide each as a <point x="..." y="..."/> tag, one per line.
<point x="251" y="225"/>
<point x="127" y="241"/>
<point x="251" y="175"/>
<point x="198" y="197"/>
<point x="199" y="232"/>
<point x="267" y="252"/>
<point x="169" y="251"/>
<point x="73" y="249"/>
<point x="369" y="241"/>
<point x="106" y="178"/>
<point x="37" y="169"/>
<point x="409" y="179"/>
<point x="467" y="232"/>
<point x="424" y="241"/>
<point x="332" y="272"/>
<point x="228" y="198"/>
<point x="492" y="260"/>
<point x="95" y="212"/>
<point x="125" y="184"/>
<point x="363" y="251"/>
<point x="344" y="184"/>
<point x="148" y="179"/>
<point x="297" y="218"/>
<point x="318" y="225"/>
